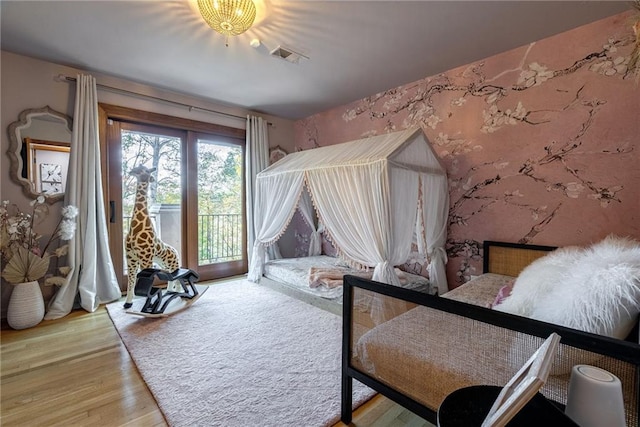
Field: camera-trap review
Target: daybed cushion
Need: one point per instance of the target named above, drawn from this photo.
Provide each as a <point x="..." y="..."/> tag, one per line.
<point x="442" y="352"/>
<point x="480" y="290"/>
<point x="436" y="360"/>
<point x="595" y="289"/>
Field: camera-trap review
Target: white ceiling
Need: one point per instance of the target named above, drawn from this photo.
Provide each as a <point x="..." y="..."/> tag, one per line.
<point x="355" y="48"/>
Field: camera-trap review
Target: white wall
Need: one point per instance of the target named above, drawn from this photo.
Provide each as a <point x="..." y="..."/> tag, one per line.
<point x="30" y="83"/>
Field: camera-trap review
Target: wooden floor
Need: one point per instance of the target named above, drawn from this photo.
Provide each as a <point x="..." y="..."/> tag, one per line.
<point x="76" y="371"/>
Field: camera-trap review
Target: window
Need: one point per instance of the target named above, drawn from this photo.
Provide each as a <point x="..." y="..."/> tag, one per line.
<point x="197" y="194"/>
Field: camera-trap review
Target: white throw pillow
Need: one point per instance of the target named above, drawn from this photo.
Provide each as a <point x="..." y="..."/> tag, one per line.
<point x="596" y="290"/>
<point x="538" y="279"/>
<point x="599" y="293"/>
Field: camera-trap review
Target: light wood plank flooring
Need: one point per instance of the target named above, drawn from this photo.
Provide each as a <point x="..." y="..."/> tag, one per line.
<point x="76" y="371"/>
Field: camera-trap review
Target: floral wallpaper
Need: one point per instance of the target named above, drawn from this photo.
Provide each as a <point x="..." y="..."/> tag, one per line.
<point x="541" y="143"/>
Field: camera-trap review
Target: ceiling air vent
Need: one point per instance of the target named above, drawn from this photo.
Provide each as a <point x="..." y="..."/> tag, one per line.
<point x="287" y="54"/>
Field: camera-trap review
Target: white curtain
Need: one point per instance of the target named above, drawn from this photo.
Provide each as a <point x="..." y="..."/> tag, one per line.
<point x="92" y="277"/>
<point x="370" y="213"/>
<point x="307" y="212"/>
<point x="276" y="199"/>
<point x="435" y="216"/>
<point x="256" y="159"/>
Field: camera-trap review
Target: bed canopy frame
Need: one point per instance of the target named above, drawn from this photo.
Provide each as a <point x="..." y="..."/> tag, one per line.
<point x="373" y="197"/>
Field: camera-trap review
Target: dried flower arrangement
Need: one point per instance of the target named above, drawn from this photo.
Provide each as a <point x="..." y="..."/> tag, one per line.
<point x="23" y="257"/>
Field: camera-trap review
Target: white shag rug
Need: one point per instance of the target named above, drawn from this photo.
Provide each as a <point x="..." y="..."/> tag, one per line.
<point x="242" y="355"/>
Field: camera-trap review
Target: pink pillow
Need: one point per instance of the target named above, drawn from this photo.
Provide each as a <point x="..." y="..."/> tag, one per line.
<point x="504" y="292"/>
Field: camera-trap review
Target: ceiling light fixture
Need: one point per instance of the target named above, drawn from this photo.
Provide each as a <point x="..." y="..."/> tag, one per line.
<point x="228" y="17"/>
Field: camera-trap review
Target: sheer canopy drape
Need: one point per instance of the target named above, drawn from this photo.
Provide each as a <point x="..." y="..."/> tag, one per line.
<point x="92" y="278"/>
<point x="434" y="187"/>
<point x="276" y="200"/>
<point x="367" y="196"/>
<point x="256" y="159"/>
<point x="376" y="230"/>
<point x="305" y="207"/>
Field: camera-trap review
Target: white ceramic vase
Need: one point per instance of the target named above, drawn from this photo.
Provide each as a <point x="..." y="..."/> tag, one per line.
<point x="26" y="306"/>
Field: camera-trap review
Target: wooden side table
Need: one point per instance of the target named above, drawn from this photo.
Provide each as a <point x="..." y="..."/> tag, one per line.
<point x="469" y="406"/>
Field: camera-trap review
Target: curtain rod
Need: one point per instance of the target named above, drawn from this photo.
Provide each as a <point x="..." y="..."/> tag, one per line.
<point x="63" y="78"/>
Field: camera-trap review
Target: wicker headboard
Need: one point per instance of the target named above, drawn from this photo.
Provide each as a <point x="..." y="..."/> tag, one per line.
<point x="510" y="258"/>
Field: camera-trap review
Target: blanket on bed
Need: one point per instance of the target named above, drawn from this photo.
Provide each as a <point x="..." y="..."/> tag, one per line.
<point x="332" y="277"/>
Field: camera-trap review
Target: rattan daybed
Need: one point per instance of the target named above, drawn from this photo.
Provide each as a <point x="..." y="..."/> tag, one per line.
<point x="429" y="346"/>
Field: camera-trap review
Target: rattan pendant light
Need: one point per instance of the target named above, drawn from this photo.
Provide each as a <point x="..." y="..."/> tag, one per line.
<point x="228" y="17"/>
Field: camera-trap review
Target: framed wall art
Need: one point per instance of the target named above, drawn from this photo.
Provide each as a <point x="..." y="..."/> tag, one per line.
<point x="51" y="178"/>
<point x="47" y="164"/>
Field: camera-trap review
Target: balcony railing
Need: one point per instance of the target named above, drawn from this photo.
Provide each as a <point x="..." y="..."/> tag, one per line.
<point x="220" y="237"/>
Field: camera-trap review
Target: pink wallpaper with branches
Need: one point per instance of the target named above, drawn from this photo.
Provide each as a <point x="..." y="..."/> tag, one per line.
<point x="541" y="143"/>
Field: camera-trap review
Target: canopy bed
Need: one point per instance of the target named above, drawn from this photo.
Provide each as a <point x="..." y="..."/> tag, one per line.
<point x="373" y="198"/>
<point x="456" y="340"/>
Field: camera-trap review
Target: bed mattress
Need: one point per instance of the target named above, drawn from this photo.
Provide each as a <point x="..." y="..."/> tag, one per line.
<point x="294" y="272"/>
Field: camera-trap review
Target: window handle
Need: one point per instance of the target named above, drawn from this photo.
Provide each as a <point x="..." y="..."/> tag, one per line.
<point x="112" y="208"/>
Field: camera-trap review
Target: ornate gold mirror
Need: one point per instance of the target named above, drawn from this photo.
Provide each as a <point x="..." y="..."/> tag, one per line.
<point x="39" y="148"/>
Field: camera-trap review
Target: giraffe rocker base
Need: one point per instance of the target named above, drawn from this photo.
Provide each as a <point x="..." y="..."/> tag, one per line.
<point x="161" y="302"/>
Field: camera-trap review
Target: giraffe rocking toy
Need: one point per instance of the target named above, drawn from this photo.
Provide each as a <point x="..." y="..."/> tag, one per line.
<point x="143" y="247"/>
